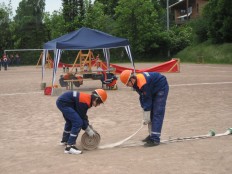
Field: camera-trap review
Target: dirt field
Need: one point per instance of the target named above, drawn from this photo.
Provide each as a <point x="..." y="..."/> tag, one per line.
<point x="200" y="99"/>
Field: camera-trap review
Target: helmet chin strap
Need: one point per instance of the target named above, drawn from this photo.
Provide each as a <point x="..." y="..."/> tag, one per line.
<point x="96" y="95"/>
<point x="134" y="81"/>
<point x="97" y="98"/>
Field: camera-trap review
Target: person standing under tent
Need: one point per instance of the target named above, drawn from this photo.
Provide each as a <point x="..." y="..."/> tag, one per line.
<point x="74" y="106"/>
<point x="153" y="89"/>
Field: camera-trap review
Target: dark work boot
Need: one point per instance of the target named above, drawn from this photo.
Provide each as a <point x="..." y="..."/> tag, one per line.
<point x="151" y="143"/>
<point x="146" y="139"/>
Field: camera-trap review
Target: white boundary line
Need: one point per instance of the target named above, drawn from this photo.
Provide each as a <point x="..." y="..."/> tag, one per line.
<point x="197" y="84"/>
<point x="12" y="94"/>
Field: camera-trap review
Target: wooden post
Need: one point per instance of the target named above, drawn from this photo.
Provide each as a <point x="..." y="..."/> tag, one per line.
<point x="40" y="59"/>
<point x="78" y="55"/>
<point x="48" y="60"/>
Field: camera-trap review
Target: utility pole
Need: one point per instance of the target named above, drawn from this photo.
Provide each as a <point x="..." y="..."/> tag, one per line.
<point x="168" y="24"/>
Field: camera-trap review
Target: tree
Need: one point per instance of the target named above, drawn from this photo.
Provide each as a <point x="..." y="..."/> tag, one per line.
<point x="109" y="6"/>
<point x="200" y="30"/>
<point x="30" y="32"/>
<point x="218" y="15"/>
<point x="54" y="24"/>
<point x="179" y="38"/>
<point x="95" y="18"/>
<point x="73" y="13"/>
<point x="137" y="20"/>
<point x="5" y="32"/>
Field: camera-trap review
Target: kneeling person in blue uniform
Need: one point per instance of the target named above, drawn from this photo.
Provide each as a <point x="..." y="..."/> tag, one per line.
<point x="74" y="106"/>
<point x="152" y="88"/>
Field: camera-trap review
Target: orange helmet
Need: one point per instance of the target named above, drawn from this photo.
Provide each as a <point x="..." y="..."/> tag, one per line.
<point x="125" y="76"/>
<point x="102" y="94"/>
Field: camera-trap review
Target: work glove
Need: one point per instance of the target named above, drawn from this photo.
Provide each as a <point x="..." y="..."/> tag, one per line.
<point x="90" y="131"/>
<point x="146" y="117"/>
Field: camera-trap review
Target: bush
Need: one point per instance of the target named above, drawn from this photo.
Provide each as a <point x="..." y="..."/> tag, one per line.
<point x="207" y="53"/>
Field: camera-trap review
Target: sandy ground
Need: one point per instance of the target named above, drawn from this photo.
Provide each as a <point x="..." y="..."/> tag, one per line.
<point x="199" y="100"/>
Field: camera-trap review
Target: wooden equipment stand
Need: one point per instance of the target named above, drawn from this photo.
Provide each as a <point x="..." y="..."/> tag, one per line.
<point x="85" y="61"/>
<point x="48" y="60"/>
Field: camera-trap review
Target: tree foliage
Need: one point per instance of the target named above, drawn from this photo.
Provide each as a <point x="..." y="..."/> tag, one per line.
<point x="139" y="25"/>
<point x="218" y="15"/>
<point x="180" y="37"/>
<point x="200" y="27"/>
<point x="108" y="6"/>
<point x="30" y="30"/>
<point x="73" y="13"/>
<point x="143" y="22"/>
<point x="54" y="24"/>
<point x="5" y="30"/>
<point x="97" y="19"/>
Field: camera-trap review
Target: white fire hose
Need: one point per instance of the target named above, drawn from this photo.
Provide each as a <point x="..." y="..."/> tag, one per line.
<point x="89" y="143"/>
<point x="120" y="142"/>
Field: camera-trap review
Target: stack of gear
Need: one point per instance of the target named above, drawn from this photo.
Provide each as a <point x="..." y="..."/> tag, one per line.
<point x="70" y="76"/>
<point x="109" y="80"/>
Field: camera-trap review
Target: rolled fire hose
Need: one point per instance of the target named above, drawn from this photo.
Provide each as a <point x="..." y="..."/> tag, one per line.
<point x="91" y="143"/>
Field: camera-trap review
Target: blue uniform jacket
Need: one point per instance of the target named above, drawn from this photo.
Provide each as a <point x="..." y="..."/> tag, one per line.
<point x="148" y="84"/>
<point x="79" y="101"/>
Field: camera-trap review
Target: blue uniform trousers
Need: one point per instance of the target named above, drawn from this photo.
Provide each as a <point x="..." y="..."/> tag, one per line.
<point x="157" y="113"/>
<point x="73" y="122"/>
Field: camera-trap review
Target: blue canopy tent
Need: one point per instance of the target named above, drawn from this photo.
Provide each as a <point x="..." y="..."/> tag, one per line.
<point x="84" y="39"/>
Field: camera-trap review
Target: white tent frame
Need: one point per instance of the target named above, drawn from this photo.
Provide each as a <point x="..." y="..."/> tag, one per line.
<point x="57" y="55"/>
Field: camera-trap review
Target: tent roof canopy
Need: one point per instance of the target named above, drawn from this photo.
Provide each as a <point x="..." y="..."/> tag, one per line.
<point x="84" y="39"/>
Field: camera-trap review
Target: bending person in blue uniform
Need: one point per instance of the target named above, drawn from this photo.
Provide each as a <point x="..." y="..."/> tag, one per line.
<point x="74" y="106"/>
<point x="152" y="88"/>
